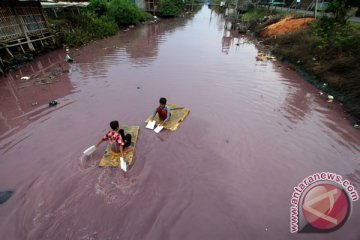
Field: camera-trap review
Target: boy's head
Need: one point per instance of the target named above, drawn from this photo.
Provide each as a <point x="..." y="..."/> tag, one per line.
<point x="114" y="125"/>
<point x="162" y="102"/>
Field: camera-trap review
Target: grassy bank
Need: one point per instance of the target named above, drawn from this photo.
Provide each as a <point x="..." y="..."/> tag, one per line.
<point x="100" y="19"/>
<point x="326" y="50"/>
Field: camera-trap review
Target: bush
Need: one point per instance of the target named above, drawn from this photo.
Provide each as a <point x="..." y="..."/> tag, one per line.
<point x="171" y="8"/>
<point x="125" y="13"/>
<point x="87" y="27"/>
<point x="98" y="6"/>
<point x="337" y="37"/>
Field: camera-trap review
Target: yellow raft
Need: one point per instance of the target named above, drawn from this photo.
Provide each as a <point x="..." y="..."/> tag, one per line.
<point x="112" y="159"/>
<point x="178" y="114"/>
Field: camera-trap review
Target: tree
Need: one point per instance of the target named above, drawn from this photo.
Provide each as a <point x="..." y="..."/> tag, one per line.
<point x="341" y="9"/>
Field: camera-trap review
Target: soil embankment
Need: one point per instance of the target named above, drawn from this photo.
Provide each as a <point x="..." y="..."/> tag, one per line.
<point x="329" y="57"/>
<point x="285" y="26"/>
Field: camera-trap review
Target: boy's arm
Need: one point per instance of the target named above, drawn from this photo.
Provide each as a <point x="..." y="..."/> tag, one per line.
<point x="167" y="116"/>
<point x="97" y="145"/>
<point x="154" y="114"/>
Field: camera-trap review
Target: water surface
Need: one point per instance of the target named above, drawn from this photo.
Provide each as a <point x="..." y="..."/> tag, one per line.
<point x="255" y="130"/>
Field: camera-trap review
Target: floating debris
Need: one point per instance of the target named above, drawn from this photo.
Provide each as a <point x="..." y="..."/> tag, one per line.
<point x="53" y="103"/>
<point x="324" y="85"/>
<point x="357" y="126"/>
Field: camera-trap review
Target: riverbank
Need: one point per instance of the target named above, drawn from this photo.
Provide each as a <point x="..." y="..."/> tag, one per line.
<point x="100" y="19"/>
<point x="251" y="123"/>
<point x="328" y="58"/>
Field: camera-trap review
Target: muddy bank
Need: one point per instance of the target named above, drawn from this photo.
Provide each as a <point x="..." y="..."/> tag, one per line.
<point x="333" y="68"/>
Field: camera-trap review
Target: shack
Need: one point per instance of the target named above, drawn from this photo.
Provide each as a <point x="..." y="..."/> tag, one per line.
<point x="23" y="26"/>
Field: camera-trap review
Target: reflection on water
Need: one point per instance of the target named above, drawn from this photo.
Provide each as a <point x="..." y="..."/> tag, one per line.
<point x="25" y="99"/>
<point x="255" y="130"/>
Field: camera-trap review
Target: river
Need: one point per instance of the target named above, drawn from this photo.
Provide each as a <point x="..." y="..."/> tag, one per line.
<point x="255" y="130"/>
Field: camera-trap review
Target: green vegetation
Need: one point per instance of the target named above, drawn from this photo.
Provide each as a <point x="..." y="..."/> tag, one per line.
<point x="174" y="8"/>
<point x="256" y="14"/>
<point x="171" y="8"/>
<point x="125" y="13"/>
<point x="341" y="9"/>
<point x="330" y="50"/>
<point x="102" y="18"/>
<point x="86" y="27"/>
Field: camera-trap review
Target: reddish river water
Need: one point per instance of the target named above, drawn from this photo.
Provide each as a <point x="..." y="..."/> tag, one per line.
<point x="255" y="130"/>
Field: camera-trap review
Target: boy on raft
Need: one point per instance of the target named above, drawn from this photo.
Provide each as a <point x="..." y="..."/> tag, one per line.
<point x="117" y="139"/>
<point x="163" y="111"/>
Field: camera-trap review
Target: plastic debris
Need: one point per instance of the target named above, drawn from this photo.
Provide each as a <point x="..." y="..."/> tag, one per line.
<point x="330" y="98"/>
<point x="357" y="126"/>
<point x="53" y="103"/>
<point x="321" y="93"/>
<point x="34" y="103"/>
<point x="325" y="84"/>
<point x="25" y="78"/>
<point x="68" y="58"/>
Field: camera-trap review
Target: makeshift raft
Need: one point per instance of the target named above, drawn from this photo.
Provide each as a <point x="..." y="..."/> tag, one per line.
<point x="112" y="159"/>
<point x="178" y="114"/>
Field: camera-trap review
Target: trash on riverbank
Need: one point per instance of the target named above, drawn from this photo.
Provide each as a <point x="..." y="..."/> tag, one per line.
<point x="330" y="98"/>
<point x="53" y="103"/>
<point x="25" y="78"/>
<point x="68" y="58"/>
